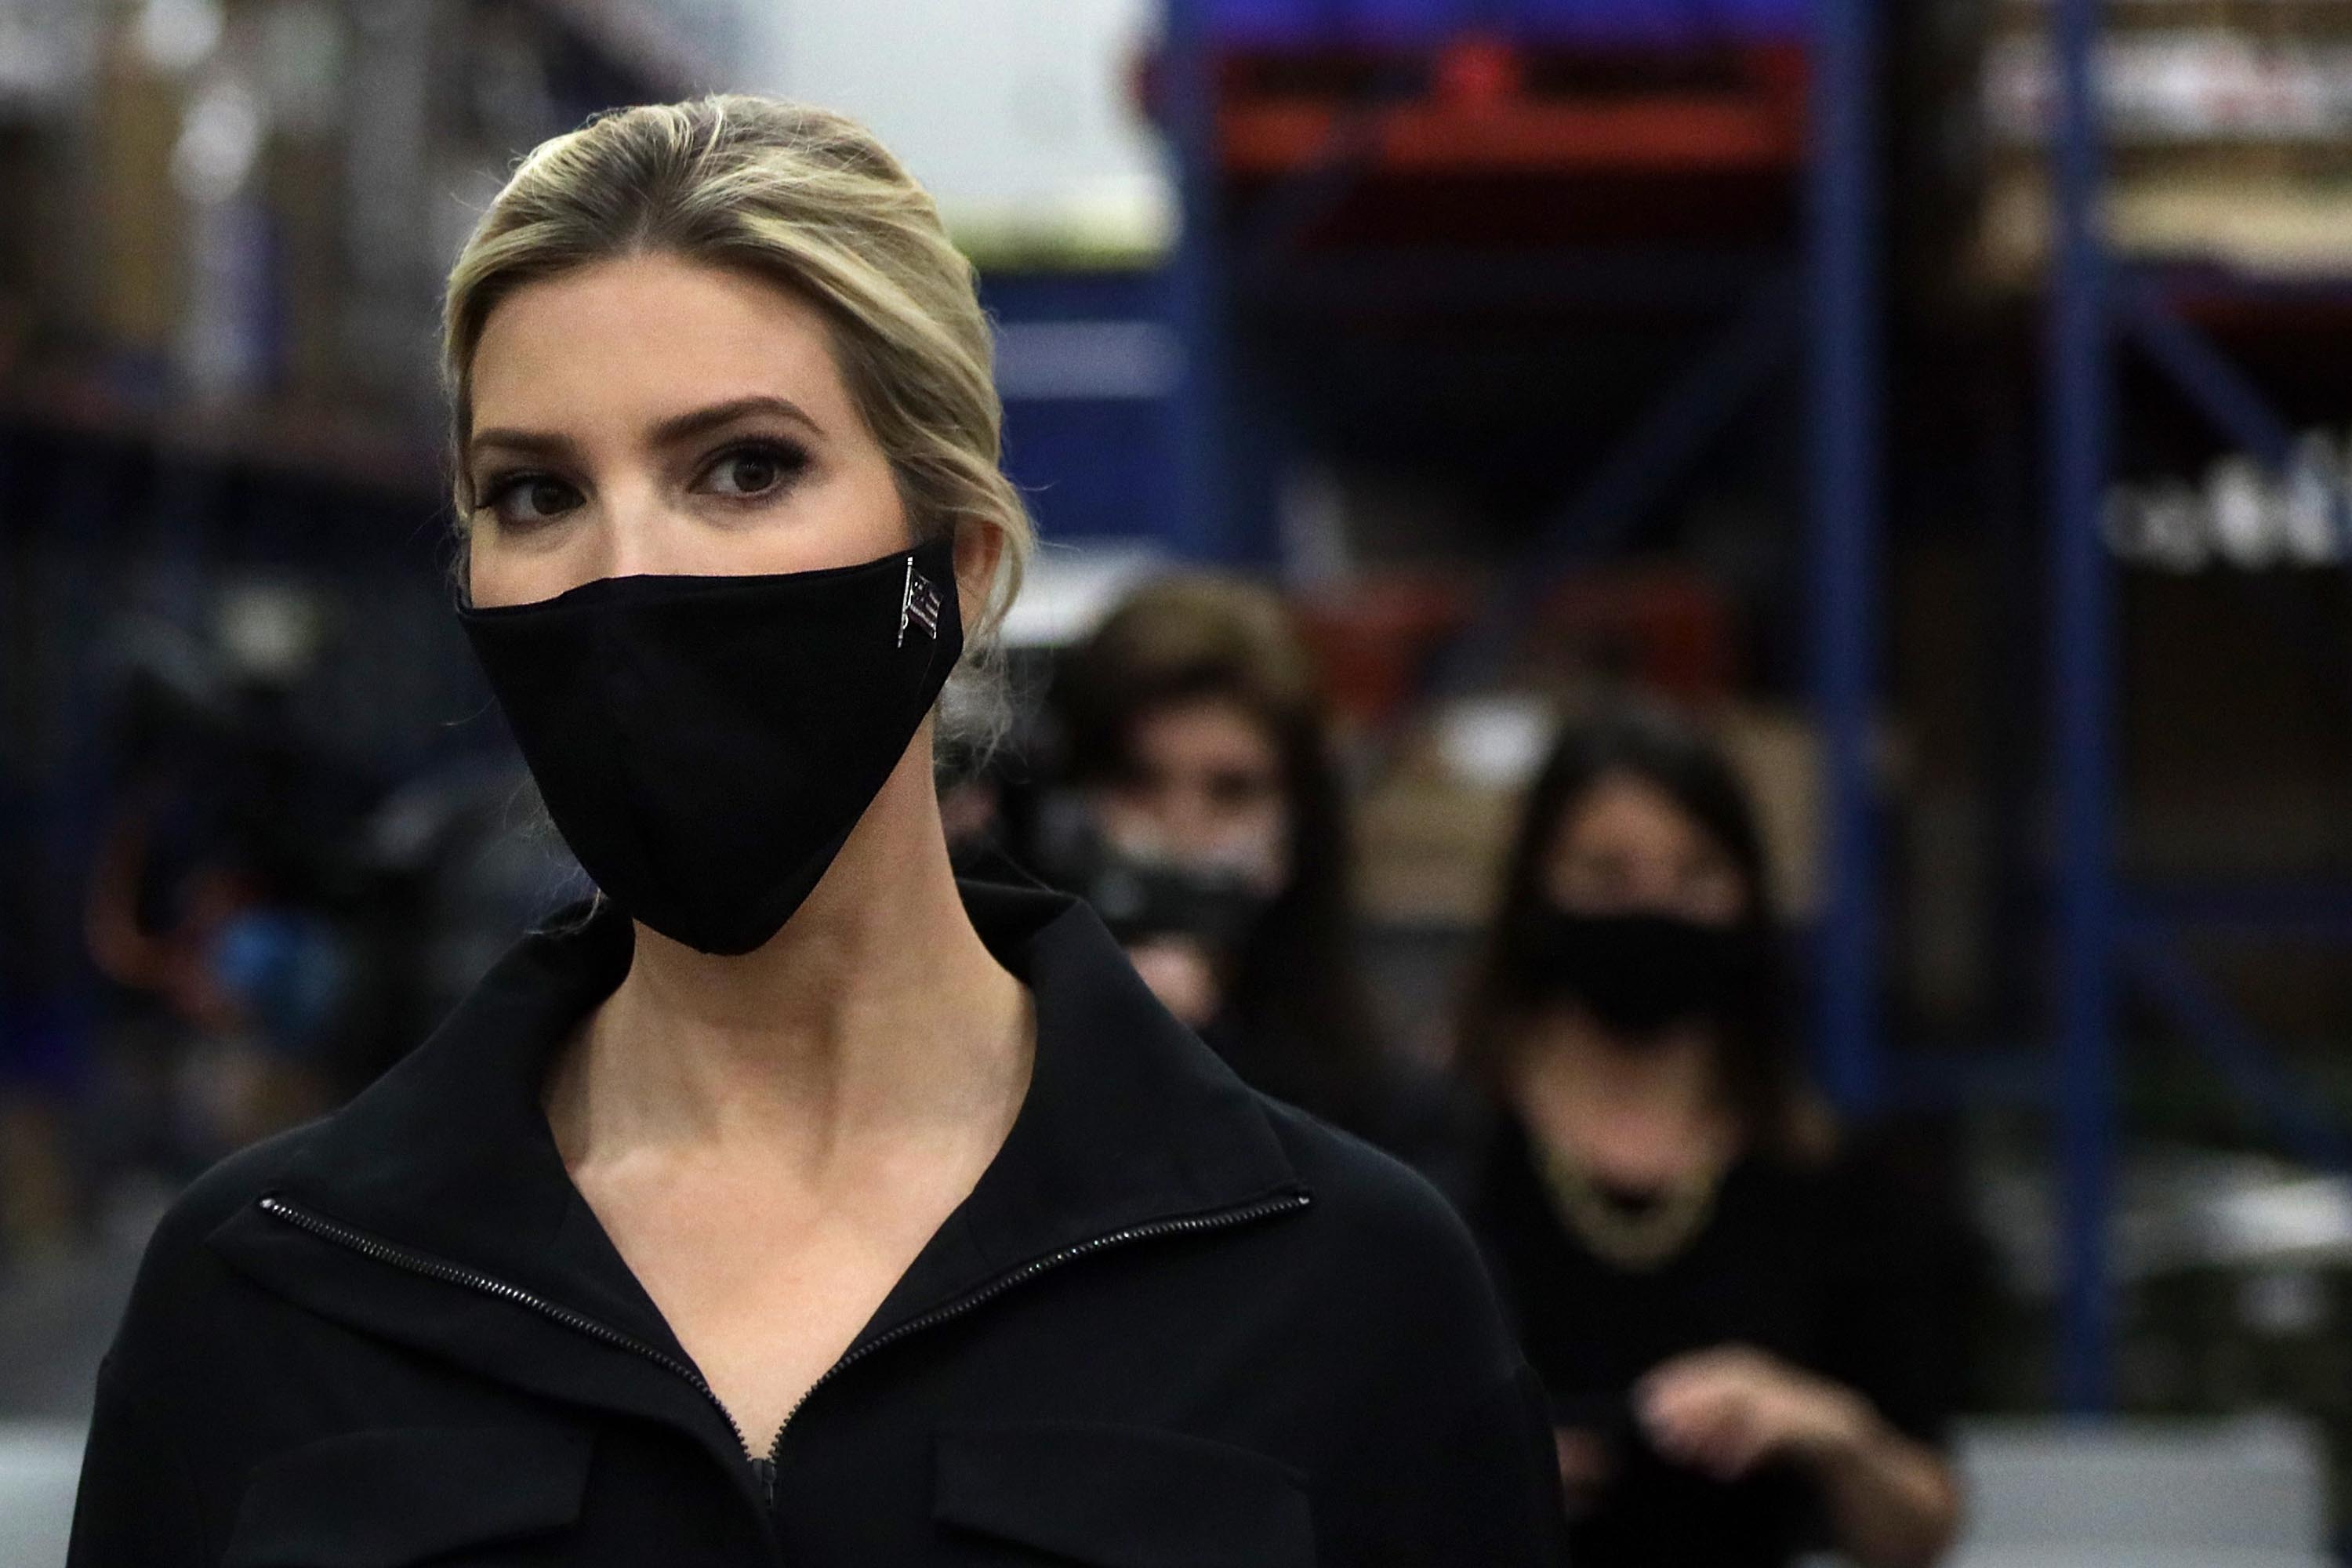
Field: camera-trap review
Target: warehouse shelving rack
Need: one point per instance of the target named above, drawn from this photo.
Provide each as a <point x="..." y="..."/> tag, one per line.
<point x="2102" y="933"/>
<point x="1811" y="112"/>
<point x="2107" y="933"/>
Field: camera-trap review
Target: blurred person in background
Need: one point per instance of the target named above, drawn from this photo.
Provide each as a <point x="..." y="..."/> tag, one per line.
<point x="220" y="899"/>
<point x="792" y="1200"/>
<point x="1746" y="1329"/>
<point x="1212" y="836"/>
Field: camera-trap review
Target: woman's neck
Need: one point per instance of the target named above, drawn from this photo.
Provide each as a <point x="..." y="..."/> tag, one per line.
<point x="1640" y="1115"/>
<point x="875" y="1014"/>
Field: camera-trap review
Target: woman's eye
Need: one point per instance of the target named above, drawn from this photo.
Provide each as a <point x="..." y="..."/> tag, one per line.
<point x="753" y="470"/>
<point x="526" y="498"/>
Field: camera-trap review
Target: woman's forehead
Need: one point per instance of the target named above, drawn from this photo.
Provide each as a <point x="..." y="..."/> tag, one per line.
<point x="1624" y="810"/>
<point x="643" y="338"/>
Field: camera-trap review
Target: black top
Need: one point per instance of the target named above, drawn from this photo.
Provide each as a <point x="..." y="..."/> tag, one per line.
<point x="1173" y="1323"/>
<point x="1396" y="1106"/>
<point x="1832" y="1269"/>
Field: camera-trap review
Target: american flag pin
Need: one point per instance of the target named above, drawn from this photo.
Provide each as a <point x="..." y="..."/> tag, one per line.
<point x="920" y="605"/>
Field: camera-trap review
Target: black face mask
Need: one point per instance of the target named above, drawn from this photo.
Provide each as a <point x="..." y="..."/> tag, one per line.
<point x="705" y="744"/>
<point x="1637" y="973"/>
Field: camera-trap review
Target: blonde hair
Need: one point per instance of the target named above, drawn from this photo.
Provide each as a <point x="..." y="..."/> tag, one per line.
<point x="809" y="199"/>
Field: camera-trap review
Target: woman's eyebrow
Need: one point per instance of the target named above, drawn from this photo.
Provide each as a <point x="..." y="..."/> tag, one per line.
<point x="676" y="428"/>
<point x="701" y="421"/>
<point x="529" y="442"/>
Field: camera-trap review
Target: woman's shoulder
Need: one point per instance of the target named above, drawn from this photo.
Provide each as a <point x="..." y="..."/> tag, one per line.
<point x="1383" y="1227"/>
<point x="233" y="1184"/>
<point x="180" y="1278"/>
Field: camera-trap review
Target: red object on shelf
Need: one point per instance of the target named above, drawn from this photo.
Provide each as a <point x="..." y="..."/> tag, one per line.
<point x="1479" y="73"/>
<point x="1492" y="107"/>
<point x="1666" y="626"/>
<point x="1664" y="135"/>
<point x="1373" y="642"/>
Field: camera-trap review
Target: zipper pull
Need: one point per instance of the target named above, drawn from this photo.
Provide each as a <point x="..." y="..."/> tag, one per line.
<point x="767" y="1472"/>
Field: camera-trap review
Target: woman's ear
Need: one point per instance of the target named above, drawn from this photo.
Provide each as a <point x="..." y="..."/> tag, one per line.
<point x="978" y="549"/>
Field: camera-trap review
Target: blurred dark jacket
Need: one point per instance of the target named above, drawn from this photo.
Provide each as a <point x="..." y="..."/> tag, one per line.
<point x="1854" y="1268"/>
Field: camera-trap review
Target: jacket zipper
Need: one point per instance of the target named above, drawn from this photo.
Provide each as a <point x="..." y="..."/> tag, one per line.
<point x="762" y="1466"/>
<point x="431" y="1268"/>
<point x="1219" y="1220"/>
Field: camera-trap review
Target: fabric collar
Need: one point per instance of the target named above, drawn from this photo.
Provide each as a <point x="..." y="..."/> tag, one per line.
<point x="1129" y="1119"/>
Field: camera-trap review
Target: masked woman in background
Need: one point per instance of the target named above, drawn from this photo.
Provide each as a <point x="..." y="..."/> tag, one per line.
<point x="1214" y="839"/>
<point x="792" y="1201"/>
<point x="1748" y="1336"/>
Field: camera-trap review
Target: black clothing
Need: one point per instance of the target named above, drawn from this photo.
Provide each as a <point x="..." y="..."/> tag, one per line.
<point x="1828" y="1269"/>
<point x="1399" y="1108"/>
<point x="1173" y="1323"/>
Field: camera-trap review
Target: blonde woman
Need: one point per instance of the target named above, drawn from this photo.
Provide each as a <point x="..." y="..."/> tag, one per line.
<point x="792" y="1203"/>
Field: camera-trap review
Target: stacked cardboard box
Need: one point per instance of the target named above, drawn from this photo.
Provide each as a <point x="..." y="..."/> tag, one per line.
<point x="234" y="228"/>
<point x="2229" y="133"/>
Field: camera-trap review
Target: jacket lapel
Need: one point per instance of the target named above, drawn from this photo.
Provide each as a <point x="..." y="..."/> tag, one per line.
<point x="1128" y="1121"/>
<point x="447" y="1161"/>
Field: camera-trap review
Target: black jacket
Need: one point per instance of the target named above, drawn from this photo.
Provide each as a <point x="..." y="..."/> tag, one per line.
<point x="1174" y="1324"/>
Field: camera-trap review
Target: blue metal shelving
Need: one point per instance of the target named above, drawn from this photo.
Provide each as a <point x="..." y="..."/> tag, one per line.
<point x="2107" y="932"/>
<point x="1828" y="299"/>
<point x="1847" y="433"/>
<point x="2082" y="710"/>
<point x="2103" y="935"/>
